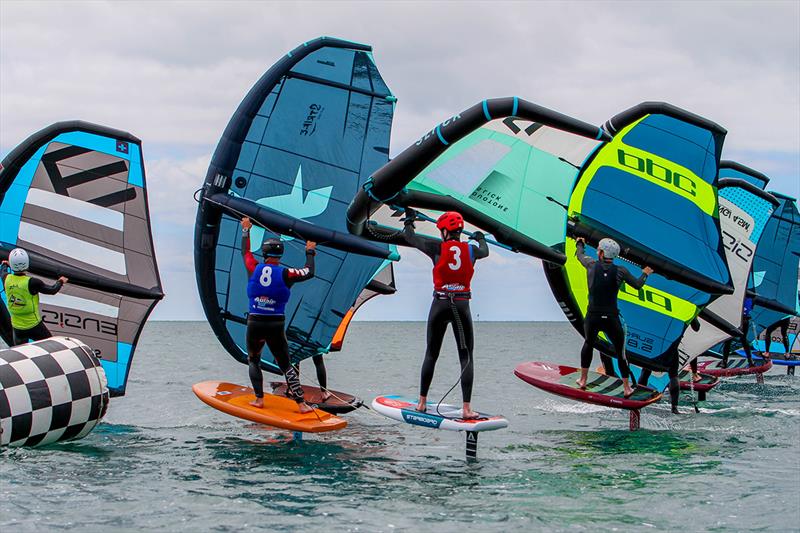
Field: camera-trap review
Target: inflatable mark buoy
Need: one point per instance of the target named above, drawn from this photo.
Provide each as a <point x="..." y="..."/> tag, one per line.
<point x="52" y="390"/>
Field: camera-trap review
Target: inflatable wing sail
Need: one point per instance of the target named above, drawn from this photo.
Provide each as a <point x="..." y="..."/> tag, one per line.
<point x="382" y="283"/>
<point x="775" y="269"/>
<point x="298" y="148"/>
<point x="74" y="197"/>
<point x="653" y="188"/>
<point x="506" y="164"/>
<point x="744" y="210"/>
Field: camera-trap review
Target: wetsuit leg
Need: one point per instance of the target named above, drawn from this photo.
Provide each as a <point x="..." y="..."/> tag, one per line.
<point x="255" y="343"/>
<point x="785" y="337"/>
<point x="19" y="337"/>
<point x="591" y="328"/>
<point x="644" y="376"/>
<point x="438" y="318"/>
<point x="608" y="364"/>
<point x="726" y="351"/>
<point x="768" y="337"/>
<point x="748" y="351"/>
<point x="279" y="347"/>
<point x="693" y="365"/>
<point x="465" y="352"/>
<point x="322" y="373"/>
<point x="674" y="384"/>
<point x="612" y="327"/>
<point x="39" y="332"/>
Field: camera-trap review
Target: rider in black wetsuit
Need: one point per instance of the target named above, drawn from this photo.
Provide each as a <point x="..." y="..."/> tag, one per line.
<point x="783" y="324"/>
<point x="268" y="291"/>
<point x="693" y="366"/>
<point x="672" y="372"/>
<point x="453" y="262"/>
<point x="322" y="376"/>
<point x="748" y="350"/>
<point x="605" y="279"/>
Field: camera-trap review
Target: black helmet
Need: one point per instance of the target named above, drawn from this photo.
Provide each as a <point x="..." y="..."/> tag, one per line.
<point x="272" y="248"/>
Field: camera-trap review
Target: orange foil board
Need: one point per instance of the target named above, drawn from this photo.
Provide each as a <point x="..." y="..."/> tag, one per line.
<point x="278" y="411"/>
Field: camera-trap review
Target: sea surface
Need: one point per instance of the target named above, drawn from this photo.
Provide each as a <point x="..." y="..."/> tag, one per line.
<point x="162" y="460"/>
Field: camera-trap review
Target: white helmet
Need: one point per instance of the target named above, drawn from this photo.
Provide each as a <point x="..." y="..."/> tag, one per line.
<point x="18" y="260"/>
<point x="609" y="247"/>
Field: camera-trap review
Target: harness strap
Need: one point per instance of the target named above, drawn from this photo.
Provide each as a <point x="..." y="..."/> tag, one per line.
<point x="462" y="339"/>
<point x="442" y="295"/>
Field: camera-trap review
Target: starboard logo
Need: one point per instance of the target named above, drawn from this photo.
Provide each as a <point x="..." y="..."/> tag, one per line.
<point x="421" y="419"/>
<point x="309" y="126"/>
<point x="298" y="203"/>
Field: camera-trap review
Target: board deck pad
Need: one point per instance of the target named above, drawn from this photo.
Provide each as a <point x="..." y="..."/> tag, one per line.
<point x="706" y="383"/>
<point x="338" y="403"/>
<point x="278" y="411"/>
<point x="605" y="385"/>
<point x="600" y="389"/>
<point x="737" y="366"/>
<point x="404" y="409"/>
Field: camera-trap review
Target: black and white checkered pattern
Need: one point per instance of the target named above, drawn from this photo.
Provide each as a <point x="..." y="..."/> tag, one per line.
<point x="51" y="390"/>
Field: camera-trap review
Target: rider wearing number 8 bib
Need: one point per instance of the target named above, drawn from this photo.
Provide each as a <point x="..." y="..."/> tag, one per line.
<point x="268" y="291"/>
<point x="453" y="267"/>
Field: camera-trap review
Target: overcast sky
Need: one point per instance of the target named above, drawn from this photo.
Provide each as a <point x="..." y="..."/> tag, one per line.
<point x="173" y="73"/>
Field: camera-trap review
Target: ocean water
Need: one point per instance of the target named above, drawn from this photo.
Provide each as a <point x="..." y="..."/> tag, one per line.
<point x="162" y="460"/>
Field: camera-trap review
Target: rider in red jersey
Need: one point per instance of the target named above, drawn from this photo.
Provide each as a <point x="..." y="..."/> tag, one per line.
<point x="453" y="268"/>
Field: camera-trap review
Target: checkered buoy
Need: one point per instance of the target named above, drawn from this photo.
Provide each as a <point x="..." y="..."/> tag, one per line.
<point x="52" y="390"/>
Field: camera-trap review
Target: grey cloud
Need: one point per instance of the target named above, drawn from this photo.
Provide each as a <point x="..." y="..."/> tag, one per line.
<point x="175" y="71"/>
<point x="173" y="74"/>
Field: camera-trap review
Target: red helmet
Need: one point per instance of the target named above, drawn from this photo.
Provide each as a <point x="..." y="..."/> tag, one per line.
<point x="451" y="221"/>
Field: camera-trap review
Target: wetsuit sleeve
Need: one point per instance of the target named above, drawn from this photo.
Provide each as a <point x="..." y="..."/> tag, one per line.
<point x="37" y="286"/>
<point x="627" y="277"/>
<point x="429" y="247"/>
<point x="482" y="249"/>
<point x="298" y="275"/>
<point x="3" y="273"/>
<point x="584" y="259"/>
<point x="250" y="262"/>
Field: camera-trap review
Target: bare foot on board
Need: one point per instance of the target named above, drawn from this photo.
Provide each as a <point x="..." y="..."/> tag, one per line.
<point x="422" y="405"/>
<point x="469" y="414"/>
<point x="305" y="408"/>
<point x="258" y="402"/>
<point x="628" y="391"/>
